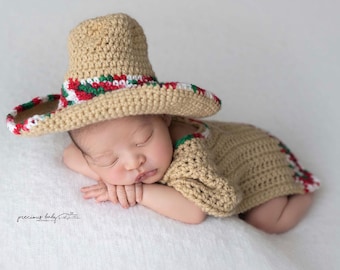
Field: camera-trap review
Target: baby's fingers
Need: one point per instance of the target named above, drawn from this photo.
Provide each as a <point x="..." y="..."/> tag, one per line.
<point x="100" y="185"/>
<point x="130" y="195"/>
<point x="122" y="196"/>
<point x="112" y="193"/>
<point x="139" y="192"/>
<point x="93" y="191"/>
<point x="92" y="194"/>
<point x="102" y="197"/>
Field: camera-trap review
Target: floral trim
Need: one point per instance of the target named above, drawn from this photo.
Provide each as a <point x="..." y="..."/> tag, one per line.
<point x="309" y="182"/>
<point x="30" y="122"/>
<point x="203" y="135"/>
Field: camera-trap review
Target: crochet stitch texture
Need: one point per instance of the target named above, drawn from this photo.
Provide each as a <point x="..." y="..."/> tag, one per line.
<point x="235" y="168"/>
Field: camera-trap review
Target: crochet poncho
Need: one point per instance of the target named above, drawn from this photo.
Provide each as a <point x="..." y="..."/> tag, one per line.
<point x="229" y="168"/>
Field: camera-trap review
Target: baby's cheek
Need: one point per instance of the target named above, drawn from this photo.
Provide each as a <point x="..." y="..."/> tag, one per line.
<point x="113" y="176"/>
<point x="163" y="155"/>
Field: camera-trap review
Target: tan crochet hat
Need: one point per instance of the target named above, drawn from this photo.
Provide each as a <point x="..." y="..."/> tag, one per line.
<point x="109" y="76"/>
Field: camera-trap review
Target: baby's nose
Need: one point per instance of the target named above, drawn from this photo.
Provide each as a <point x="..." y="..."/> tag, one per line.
<point x="134" y="161"/>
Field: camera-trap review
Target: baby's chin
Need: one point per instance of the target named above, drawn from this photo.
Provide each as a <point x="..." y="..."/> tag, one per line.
<point x="151" y="182"/>
<point x="150" y="177"/>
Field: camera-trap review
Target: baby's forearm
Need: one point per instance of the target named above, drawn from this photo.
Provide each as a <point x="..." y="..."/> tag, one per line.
<point x="169" y="202"/>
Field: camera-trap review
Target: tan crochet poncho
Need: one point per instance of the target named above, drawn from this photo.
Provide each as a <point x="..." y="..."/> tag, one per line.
<point x="229" y="168"/>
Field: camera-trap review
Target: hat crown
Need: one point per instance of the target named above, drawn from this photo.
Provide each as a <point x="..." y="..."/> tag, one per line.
<point x="110" y="45"/>
<point x="109" y="77"/>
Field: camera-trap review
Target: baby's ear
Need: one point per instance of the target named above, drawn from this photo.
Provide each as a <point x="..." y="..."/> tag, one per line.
<point x="167" y="119"/>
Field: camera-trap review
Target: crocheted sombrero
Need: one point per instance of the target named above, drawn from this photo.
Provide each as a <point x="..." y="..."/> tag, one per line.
<point x="109" y="77"/>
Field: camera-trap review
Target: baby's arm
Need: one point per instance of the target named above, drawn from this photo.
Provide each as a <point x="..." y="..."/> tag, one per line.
<point x="160" y="198"/>
<point x="169" y="202"/>
<point x="74" y="159"/>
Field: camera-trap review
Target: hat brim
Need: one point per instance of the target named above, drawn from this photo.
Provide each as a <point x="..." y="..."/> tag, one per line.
<point x="43" y="116"/>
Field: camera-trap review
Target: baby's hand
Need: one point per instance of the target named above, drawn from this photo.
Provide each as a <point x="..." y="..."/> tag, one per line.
<point x="99" y="192"/>
<point x="125" y="195"/>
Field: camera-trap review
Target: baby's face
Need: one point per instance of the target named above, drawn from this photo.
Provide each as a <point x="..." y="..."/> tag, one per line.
<point x="129" y="150"/>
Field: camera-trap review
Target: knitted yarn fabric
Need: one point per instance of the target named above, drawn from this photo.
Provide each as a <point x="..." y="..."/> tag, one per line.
<point x="108" y="45"/>
<point x="230" y="168"/>
<point x="109" y="76"/>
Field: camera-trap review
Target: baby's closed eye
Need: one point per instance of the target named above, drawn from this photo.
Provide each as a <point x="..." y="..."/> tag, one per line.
<point x="144" y="139"/>
<point x="103" y="161"/>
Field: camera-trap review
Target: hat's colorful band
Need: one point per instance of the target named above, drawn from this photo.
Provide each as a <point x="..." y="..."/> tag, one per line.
<point x="76" y="92"/>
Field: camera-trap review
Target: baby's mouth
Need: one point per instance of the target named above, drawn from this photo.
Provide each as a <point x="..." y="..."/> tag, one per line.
<point x="143" y="176"/>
